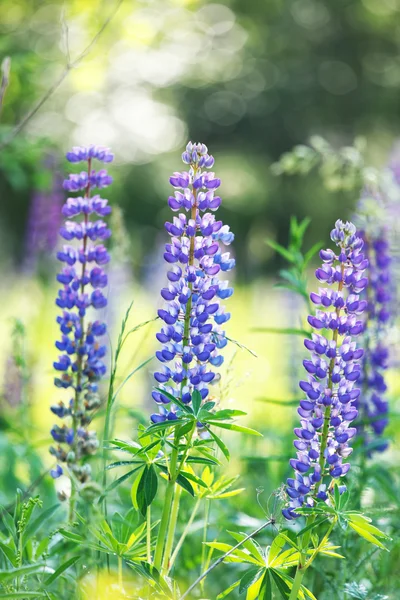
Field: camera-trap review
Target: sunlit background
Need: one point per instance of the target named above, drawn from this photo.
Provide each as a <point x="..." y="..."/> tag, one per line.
<point x="250" y="79"/>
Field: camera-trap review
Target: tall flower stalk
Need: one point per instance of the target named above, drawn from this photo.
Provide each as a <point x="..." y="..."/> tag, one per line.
<point x="82" y="278"/>
<point x="191" y="337"/>
<point x="329" y="408"/>
<point x="373" y="406"/>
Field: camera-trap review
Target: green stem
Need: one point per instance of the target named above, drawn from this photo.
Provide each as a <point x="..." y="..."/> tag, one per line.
<point x="72" y="501"/>
<point x="171" y="530"/>
<point x="185" y="533"/>
<point x="205" y="529"/>
<point x="296" y="584"/>
<point x="120" y="576"/>
<point x="148" y="533"/>
<point x="169" y="494"/>
<point x="321" y="544"/>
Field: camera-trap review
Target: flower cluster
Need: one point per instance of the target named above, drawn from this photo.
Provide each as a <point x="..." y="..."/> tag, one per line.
<point x="372" y="405"/>
<point x="83" y="280"/>
<point x="326" y="413"/>
<point x="193" y="316"/>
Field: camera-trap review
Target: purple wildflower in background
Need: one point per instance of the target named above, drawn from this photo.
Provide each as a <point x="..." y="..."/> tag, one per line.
<point x="329" y="407"/>
<point x="192" y="337"/>
<point x="82" y="280"/>
<point x="372" y="404"/>
<point x="44" y="220"/>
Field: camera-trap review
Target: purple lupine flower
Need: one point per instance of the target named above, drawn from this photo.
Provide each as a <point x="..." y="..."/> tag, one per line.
<point x="372" y="404"/>
<point x="83" y="280"/>
<point x="192" y="337"/>
<point x="44" y="220"/>
<point x="333" y="369"/>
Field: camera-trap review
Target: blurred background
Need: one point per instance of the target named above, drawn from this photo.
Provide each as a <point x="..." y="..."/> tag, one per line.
<point x="250" y="79"/>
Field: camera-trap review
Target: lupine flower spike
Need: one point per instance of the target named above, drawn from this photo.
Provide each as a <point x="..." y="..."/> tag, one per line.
<point x="192" y="335"/>
<point x="80" y="364"/>
<point x="326" y="413"/>
<point x="372" y="405"/>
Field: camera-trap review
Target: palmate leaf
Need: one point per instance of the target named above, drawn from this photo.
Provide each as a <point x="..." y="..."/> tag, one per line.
<point x="368" y="532"/>
<point x="237" y="556"/>
<point x="250" y="545"/>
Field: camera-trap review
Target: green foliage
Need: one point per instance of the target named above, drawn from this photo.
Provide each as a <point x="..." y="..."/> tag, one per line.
<point x="294" y="277"/>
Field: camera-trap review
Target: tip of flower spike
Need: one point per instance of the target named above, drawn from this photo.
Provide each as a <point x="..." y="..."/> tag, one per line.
<point x="344" y="234"/>
<point x="197" y="155"/>
<point x="81" y="153"/>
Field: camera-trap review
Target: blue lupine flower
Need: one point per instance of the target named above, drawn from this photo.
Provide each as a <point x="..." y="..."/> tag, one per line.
<point x="372" y="404"/>
<point x="82" y="278"/>
<point x="191" y="336"/>
<point x="333" y="369"/>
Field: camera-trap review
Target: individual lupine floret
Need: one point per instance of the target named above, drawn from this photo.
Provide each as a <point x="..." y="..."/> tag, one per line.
<point x="191" y="336"/>
<point x="329" y="407"/>
<point x="83" y="280"/>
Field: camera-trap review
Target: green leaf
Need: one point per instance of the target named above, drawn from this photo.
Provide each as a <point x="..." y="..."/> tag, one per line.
<point x="9" y="553"/>
<point x="250" y="577"/>
<point x="277" y="544"/>
<point x="266" y="588"/>
<point x="316" y="523"/>
<point x="194" y="478"/>
<point x="123" y="463"/>
<point x="24" y="571"/>
<point x="118" y="482"/>
<point x="185" y="484"/>
<point x="61" y="569"/>
<point x="228" y="590"/>
<point x="181" y="480"/>
<point x="281" y="250"/>
<point x="147" y="488"/>
<point x="311" y="252"/>
<point x="281" y="584"/>
<point x="220" y="444"/>
<point x="249" y="544"/>
<point x="202" y="461"/>
<point x="227" y="413"/>
<point x="159" y="427"/>
<point x="367" y="536"/>
<point x="15" y="595"/>
<point x="186" y="428"/>
<point x="196" y="401"/>
<point x="8" y="521"/>
<point x="176" y="401"/>
<point x="234" y="427"/>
